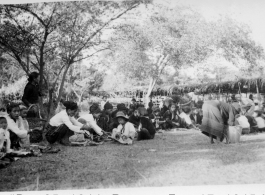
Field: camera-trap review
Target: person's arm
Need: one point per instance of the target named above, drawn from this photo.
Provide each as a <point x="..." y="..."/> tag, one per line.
<point x="66" y="120"/>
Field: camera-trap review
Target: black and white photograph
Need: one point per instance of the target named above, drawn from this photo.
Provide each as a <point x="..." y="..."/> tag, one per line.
<point x="147" y="95"/>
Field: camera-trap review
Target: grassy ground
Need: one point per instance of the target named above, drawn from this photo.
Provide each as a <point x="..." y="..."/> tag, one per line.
<point x="171" y="159"/>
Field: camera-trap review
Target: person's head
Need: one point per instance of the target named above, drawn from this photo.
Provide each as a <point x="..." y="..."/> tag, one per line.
<point x="238" y="97"/>
<point x="133" y="101"/>
<point x="142" y="111"/>
<point x="13" y="110"/>
<point x="251" y="96"/>
<point x="186" y="110"/>
<point x="104" y="98"/>
<point x="150" y="104"/>
<point x="71" y="108"/>
<point x="194" y="110"/>
<point x="121" y="117"/>
<point x="156" y="110"/>
<point x="108" y="108"/>
<point x="136" y="113"/>
<point x="172" y="108"/>
<point x="121" y="107"/>
<point x="95" y="110"/>
<point x="33" y="77"/>
<point x="3" y="122"/>
<point x="167" y="103"/>
<point x="23" y="111"/>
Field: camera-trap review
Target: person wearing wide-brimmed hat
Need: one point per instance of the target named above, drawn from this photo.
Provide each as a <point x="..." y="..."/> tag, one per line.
<point x="217" y="117"/>
<point x="125" y="132"/>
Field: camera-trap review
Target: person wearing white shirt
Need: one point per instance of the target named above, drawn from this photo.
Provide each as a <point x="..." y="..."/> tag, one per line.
<point x="19" y="137"/>
<point x="125" y="132"/>
<point x="63" y="125"/>
<point x="90" y="119"/>
<point x="185" y="116"/>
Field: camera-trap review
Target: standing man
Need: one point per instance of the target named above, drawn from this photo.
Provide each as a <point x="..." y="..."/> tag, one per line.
<point x="31" y="93"/>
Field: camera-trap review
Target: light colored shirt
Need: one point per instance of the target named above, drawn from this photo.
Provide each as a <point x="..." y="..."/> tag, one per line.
<point x="243" y="121"/>
<point x="260" y="122"/>
<point x="63" y="118"/>
<point x="13" y="126"/>
<point x="186" y="118"/>
<point x="102" y="104"/>
<point x="128" y="129"/>
<point x="23" y="124"/>
<point x="92" y="123"/>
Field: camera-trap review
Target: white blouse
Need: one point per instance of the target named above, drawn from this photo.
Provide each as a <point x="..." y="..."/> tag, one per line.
<point x="91" y="122"/>
<point x="63" y="118"/>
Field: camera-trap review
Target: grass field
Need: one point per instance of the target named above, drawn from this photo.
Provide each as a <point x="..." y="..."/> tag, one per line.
<point x="171" y="159"/>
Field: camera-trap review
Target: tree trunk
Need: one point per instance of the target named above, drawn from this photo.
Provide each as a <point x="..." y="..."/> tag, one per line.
<point x="149" y="91"/>
<point x="62" y="84"/>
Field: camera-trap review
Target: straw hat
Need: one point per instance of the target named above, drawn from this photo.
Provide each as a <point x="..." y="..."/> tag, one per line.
<point x="122" y="115"/>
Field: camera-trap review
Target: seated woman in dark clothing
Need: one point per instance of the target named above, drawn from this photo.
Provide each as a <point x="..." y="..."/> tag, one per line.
<point x="146" y="130"/>
<point x="156" y="118"/>
<point x="63" y="125"/>
<point x="171" y="118"/>
<point x="135" y="118"/>
<point x="120" y="107"/>
<point x="105" y="120"/>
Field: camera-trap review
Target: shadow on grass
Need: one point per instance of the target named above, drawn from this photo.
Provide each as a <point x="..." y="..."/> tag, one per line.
<point x="112" y="165"/>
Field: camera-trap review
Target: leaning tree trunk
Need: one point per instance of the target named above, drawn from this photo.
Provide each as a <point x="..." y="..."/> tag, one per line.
<point x="149" y="91"/>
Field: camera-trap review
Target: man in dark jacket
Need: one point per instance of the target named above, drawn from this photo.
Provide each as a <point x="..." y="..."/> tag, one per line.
<point x="146" y="128"/>
<point x="105" y="120"/>
<point x="31" y="94"/>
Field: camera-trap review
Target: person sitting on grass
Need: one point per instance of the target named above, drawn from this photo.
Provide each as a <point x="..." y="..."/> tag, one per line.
<point x="135" y="118"/>
<point x="90" y="119"/>
<point x="125" y="132"/>
<point x="242" y="121"/>
<point x="146" y="129"/>
<point x="260" y="120"/>
<point x="35" y="134"/>
<point x="149" y="109"/>
<point x="4" y="136"/>
<point x="105" y="120"/>
<point x="156" y="118"/>
<point x="195" y="117"/>
<point x="171" y="118"/>
<point x="185" y="118"/>
<point x="18" y="137"/>
<point x="63" y="126"/>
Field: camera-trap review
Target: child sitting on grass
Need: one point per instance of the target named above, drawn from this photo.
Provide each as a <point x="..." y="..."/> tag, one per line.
<point x="4" y="136"/>
<point x="125" y="132"/>
<point x="260" y="120"/>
